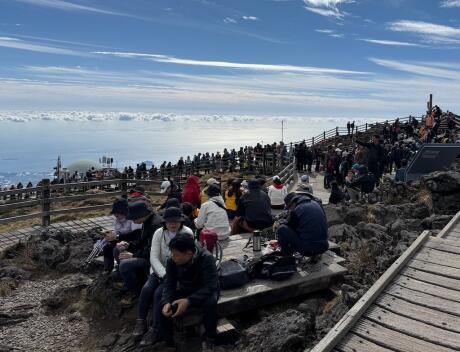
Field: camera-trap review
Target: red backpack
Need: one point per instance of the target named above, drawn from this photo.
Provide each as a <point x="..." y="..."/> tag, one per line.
<point x="208" y="239"/>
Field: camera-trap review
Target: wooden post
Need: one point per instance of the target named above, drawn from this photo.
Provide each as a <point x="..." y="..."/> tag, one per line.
<point x="431" y="103"/>
<point x="366" y="126"/>
<point x="312" y="141"/>
<point x="324" y="135"/>
<point x="46" y="203"/>
<point x="337" y="131"/>
<point x="124" y="185"/>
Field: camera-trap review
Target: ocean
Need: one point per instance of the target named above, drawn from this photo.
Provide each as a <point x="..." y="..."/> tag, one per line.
<point x="30" y="142"/>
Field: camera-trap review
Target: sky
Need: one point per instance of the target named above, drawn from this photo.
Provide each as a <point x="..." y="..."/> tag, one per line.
<point x="368" y="58"/>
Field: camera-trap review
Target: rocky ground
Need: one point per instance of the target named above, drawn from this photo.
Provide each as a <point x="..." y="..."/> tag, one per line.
<point x="51" y="302"/>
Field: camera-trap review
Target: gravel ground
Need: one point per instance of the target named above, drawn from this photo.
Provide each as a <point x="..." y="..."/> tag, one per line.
<point x="39" y="332"/>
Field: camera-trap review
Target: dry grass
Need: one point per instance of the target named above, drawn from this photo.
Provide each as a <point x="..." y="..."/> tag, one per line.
<point x="426" y="198"/>
<point x="361" y="260"/>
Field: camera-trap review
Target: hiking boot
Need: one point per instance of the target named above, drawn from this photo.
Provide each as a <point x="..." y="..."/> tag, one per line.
<point x="140" y="328"/>
<point x="150" y="338"/>
<point x="207" y="345"/>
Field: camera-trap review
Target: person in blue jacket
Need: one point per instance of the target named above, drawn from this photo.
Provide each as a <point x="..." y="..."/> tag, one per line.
<point x="306" y="229"/>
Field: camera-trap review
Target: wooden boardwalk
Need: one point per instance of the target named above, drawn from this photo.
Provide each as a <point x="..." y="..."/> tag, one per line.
<point x="414" y="306"/>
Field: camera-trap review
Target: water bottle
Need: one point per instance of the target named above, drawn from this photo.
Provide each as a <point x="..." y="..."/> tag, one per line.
<point x="256" y="241"/>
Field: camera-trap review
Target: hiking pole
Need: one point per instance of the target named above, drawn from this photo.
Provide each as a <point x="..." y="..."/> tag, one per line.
<point x="97" y="249"/>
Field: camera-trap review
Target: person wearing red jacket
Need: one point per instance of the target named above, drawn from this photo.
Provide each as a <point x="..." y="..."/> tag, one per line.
<point x="191" y="192"/>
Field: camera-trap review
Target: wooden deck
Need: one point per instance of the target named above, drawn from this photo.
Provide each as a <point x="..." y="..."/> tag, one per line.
<point x="414" y="306"/>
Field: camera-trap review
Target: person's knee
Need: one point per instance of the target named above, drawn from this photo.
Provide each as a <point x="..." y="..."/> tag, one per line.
<point x="283" y="231"/>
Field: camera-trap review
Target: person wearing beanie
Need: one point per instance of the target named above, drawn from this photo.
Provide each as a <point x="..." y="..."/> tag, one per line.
<point x="213" y="214"/>
<point x="276" y="192"/>
<point x="306" y="229"/>
<point x="253" y="211"/>
<point x="124" y="230"/>
<point x="173" y="224"/>
<point x="134" y="256"/>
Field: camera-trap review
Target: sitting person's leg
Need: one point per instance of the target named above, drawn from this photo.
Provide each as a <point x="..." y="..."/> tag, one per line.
<point x="147" y="295"/>
<point x="288" y="240"/>
<point x="134" y="271"/>
<point x="162" y="325"/>
<point x="210" y="317"/>
<point x="108" y="256"/>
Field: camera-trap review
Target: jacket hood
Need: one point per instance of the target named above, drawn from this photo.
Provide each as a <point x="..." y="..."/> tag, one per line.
<point x="254" y="184"/>
<point x="193" y="181"/>
<point x="218" y="199"/>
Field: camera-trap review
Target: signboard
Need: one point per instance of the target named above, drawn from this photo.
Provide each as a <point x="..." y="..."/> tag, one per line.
<point x="431" y="157"/>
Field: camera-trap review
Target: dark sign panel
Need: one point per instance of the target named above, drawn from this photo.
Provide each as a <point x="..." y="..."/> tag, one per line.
<point x="431" y="157"/>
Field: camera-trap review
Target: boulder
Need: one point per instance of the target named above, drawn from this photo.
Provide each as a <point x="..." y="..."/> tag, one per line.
<point x="341" y="233"/>
<point x="334" y="214"/>
<point x="368" y="231"/>
<point x="436" y="222"/>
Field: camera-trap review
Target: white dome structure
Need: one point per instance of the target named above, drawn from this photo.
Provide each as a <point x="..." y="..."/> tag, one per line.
<point x="81" y="166"/>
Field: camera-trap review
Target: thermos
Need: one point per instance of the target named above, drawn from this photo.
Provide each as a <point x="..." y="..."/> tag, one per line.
<point x="256" y="241"/>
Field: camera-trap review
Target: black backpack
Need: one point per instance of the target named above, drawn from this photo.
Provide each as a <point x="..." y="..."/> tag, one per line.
<point x="232" y="275"/>
<point x="275" y="266"/>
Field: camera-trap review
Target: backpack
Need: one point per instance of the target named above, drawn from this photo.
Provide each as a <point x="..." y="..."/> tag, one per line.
<point x="208" y="239"/>
<point x="232" y="275"/>
<point x="275" y="266"/>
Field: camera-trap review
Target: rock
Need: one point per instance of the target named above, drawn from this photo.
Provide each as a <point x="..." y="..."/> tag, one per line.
<point x="342" y="232"/>
<point x="371" y="231"/>
<point x="14" y="272"/>
<point x="50" y="252"/>
<point x="352" y="215"/>
<point x="333" y="214"/>
<point x="311" y="306"/>
<point x="286" y="331"/>
<point x="405" y="225"/>
<point x="436" y="222"/>
<point x="444" y="182"/>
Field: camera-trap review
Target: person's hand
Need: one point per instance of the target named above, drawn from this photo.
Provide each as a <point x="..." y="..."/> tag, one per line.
<point x="182" y="305"/>
<point x="110" y="236"/>
<point x="122" y="246"/>
<point x="125" y="255"/>
<point x="167" y="310"/>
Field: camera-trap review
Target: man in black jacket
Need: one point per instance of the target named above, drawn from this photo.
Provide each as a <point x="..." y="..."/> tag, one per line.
<point x="253" y="210"/>
<point x="135" y="263"/>
<point x="375" y="156"/>
<point x="191" y="282"/>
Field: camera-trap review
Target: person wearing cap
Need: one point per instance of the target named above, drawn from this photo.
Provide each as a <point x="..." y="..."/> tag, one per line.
<point x="213" y="214"/>
<point x="134" y="256"/>
<point x="173" y="224"/>
<point x="304" y="185"/>
<point x="276" y="192"/>
<point x="171" y="190"/>
<point x="124" y="230"/>
<point x="306" y="229"/>
<point x="204" y="192"/>
<point x="191" y="191"/>
<point x="254" y="210"/>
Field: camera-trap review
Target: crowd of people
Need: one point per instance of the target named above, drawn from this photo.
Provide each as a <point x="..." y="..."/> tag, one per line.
<point x="158" y="256"/>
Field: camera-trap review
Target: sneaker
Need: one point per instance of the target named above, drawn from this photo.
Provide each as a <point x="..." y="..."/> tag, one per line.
<point x="150" y="338"/>
<point x="140" y="328"/>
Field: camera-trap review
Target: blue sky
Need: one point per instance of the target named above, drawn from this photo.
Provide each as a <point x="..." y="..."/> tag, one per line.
<point x="264" y="57"/>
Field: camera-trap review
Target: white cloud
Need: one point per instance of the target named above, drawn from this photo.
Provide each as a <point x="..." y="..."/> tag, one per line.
<point x="229" y="20"/>
<point x="330" y="33"/>
<point x="250" y="18"/>
<point x="450" y="3"/>
<point x="326" y="8"/>
<point x="69" y="6"/>
<point x="418" y="69"/>
<point x="430" y="32"/>
<point x="327" y="31"/>
<point x="234" y="65"/>
<point x="390" y="42"/>
<point x="14" y="43"/>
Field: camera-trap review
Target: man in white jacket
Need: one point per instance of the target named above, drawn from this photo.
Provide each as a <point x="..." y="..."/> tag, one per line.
<point x="173" y="224"/>
<point x="213" y="214"/>
<point x="276" y="192"/>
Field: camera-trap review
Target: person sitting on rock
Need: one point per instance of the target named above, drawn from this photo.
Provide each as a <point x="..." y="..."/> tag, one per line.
<point x="134" y="256"/>
<point x="253" y="211"/>
<point x="173" y="225"/>
<point x="171" y="190"/>
<point x="276" y="192"/>
<point x="191" y="282"/>
<point x="213" y="214"/>
<point x="337" y="195"/>
<point x="306" y="229"/>
<point x="124" y="230"/>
